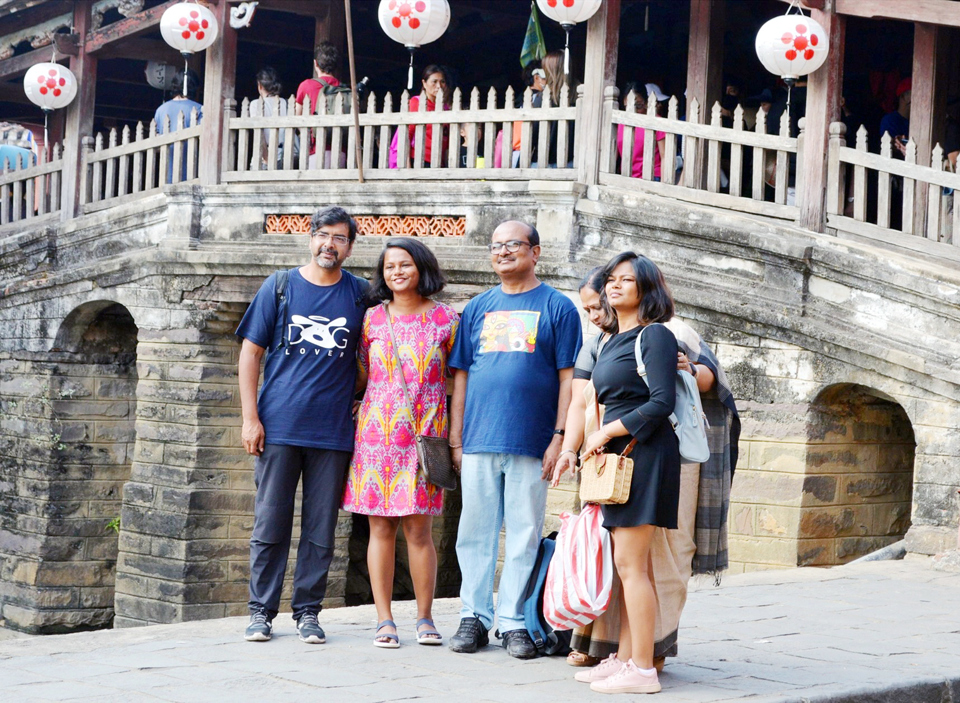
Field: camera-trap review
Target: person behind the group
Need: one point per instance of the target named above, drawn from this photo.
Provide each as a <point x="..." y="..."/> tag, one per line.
<point x="301" y="426"/>
<point x="640" y="97"/>
<point x="269" y="87"/>
<point x="554" y="79"/>
<point x="433" y="83"/>
<point x="597" y="640"/>
<point x="535" y="78"/>
<point x="699" y="545"/>
<point x="897" y="122"/>
<point x="384" y="482"/>
<point x="638" y="409"/>
<point x="326" y="59"/>
<point x="514" y="358"/>
<point x="172" y="109"/>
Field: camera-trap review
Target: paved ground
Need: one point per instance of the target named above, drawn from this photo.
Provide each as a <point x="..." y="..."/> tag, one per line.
<point x="882" y="631"/>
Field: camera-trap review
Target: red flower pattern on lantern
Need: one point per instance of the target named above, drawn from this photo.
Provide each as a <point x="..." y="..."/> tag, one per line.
<point x="791" y="46"/>
<point x="50" y="85"/>
<point x="414" y="22"/>
<point x="188" y="27"/>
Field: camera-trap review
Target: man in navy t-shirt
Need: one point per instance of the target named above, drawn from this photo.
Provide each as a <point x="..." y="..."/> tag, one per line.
<point x="514" y="357"/>
<point x="301" y="424"/>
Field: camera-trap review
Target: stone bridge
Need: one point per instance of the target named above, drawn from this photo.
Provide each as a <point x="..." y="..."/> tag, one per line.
<point x="119" y="398"/>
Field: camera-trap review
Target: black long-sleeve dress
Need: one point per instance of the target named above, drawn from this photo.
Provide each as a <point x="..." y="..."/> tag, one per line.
<point x="644" y="409"/>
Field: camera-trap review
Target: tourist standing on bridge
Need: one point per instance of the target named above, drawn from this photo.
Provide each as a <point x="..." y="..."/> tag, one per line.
<point x="307" y="321"/>
<point x="168" y="114"/>
<point x="637" y="409"/>
<point x="412" y="335"/>
<point x="514" y="357"/>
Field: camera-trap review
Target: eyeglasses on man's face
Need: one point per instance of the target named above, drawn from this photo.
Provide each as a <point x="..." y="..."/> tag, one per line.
<point x="513" y="246"/>
<point x="337" y="239"/>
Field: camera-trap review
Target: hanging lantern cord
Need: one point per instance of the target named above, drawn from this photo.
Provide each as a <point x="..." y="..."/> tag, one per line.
<point x="186" y="70"/>
<point x="46" y="131"/>
<point x="566" y="49"/>
<point x="411" y="49"/>
<point x="789" y="82"/>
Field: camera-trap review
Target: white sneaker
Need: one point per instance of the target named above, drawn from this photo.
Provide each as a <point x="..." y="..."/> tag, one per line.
<point x="605" y="669"/>
<point x="628" y="680"/>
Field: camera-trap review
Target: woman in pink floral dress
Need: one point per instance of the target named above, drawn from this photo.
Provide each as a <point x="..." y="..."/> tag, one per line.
<point x="384" y="482"/>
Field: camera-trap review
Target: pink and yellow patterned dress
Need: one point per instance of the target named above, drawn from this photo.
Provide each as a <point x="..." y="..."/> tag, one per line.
<point x="384" y="479"/>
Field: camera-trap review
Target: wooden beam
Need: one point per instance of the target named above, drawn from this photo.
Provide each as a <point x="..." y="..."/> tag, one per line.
<point x="704" y="71"/>
<point x="927" y="105"/>
<point x="41" y="12"/>
<point x="79" y="120"/>
<point x="220" y="78"/>
<point x="600" y="72"/>
<point x="941" y="12"/>
<point x="824" y="90"/>
<point x="16" y="65"/>
<point x="127" y="27"/>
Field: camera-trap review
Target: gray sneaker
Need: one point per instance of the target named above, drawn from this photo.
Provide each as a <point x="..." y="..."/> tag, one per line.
<point x="309" y="629"/>
<point x="260" y="628"/>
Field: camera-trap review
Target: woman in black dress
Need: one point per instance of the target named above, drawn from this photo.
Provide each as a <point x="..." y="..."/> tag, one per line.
<point x="639" y="408"/>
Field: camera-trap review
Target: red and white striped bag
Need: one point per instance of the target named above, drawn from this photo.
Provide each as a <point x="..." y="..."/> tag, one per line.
<point x="580" y="577"/>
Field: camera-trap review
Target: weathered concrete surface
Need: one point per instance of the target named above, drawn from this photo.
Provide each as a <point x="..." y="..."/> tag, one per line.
<point x="879" y="632"/>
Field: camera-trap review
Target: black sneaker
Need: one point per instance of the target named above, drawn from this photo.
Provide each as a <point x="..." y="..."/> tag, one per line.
<point x="309" y="629"/>
<point x="260" y="628"/>
<point x="471" y="636"/>
<point x="518" y="644"/>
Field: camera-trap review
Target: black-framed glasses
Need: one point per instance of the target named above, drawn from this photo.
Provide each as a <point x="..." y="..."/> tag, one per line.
<point x="335" y="238"/>
<point x="513" y="246"/>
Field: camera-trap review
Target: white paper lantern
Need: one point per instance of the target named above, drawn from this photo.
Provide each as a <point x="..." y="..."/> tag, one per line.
<point x="160" y="75"/>
<point x="568" y="13"/>
<point x="188" y="28"/>
<point x="50" y="86"/>
<point x="791" y="46"/>
<point x="414" y="23"/>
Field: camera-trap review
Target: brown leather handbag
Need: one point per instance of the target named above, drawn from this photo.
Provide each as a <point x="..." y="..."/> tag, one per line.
<point x="606" y="478"/>
<point x="433" y="453"/>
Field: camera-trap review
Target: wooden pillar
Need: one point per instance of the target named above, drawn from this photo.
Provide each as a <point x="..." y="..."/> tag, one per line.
<point x="219" y="83"/>
<point x="600" y="71"/>
<point x="79" y="117"/>
<point x="704" y="71"/>
<point x="928" y="105"/>
<point x="824" y="90"/>
<point x="331" y="26"/>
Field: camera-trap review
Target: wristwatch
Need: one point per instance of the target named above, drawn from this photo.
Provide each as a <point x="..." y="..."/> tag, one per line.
<point x="693" y="369"/>
<point x="560" y="432"/>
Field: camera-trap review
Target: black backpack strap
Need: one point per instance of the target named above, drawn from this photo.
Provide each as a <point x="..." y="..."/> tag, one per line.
<point x="280" y="297"/>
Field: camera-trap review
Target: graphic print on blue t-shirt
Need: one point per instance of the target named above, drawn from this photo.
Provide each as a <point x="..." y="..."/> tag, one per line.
<point x="310" y="369"/>
<point x="511" y="404"/>
<point x="509" y="331"/>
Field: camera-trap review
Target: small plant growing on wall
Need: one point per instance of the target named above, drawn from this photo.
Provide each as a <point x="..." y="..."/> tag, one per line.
<point x="114" y="525"/>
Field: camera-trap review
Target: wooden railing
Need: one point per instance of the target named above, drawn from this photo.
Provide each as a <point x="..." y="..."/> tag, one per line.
<point x="473" y="142"/>
<point x="746" y="170"/>
<point x="118" y="172"/>
<point x="29" y="190"/>
<point x="878" y="194"/>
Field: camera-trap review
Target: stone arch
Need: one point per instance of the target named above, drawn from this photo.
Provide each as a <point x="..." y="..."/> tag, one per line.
<point x="93" y="400"/>
<point x="858" y="482"/>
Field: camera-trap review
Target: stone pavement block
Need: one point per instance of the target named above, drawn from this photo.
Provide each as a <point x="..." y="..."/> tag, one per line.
<point x="57" y="691"/>
<point x="10" y="677"/>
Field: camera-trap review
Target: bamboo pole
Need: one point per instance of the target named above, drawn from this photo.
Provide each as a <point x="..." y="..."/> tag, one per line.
<point x="355" y="102"/>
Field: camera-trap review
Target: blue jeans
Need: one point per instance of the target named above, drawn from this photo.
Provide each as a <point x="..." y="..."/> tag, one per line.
<point x="499" y="489"/>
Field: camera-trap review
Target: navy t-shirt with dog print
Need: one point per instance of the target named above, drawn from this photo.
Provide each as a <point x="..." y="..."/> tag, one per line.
<point x="311" y="366"/>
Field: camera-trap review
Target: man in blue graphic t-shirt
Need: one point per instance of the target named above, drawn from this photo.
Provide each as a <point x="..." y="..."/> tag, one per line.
<point x="514" y="358"/>
<point x="301" y="424"/>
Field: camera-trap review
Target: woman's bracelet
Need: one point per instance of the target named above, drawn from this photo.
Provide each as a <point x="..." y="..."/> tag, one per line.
<point x="569" y="450"/>
<point x="604" y="433"/>
<point x="456" y="446"/>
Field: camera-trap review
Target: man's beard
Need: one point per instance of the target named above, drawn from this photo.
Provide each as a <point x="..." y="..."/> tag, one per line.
<point x="325" y="263"/>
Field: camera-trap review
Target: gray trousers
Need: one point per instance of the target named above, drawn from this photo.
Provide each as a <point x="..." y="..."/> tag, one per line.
<point x="278" y="471"/>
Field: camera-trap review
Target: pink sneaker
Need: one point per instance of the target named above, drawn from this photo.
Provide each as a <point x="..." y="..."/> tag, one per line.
<point x="608" y="667"/>
<point x="628" y="680"/>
